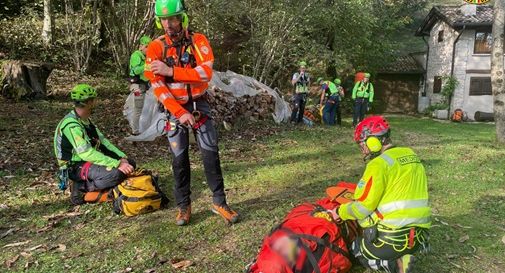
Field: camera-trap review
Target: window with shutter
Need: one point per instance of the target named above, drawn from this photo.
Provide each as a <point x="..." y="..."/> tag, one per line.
<point x="437" y="84"/>
<point x="480" y="86"/>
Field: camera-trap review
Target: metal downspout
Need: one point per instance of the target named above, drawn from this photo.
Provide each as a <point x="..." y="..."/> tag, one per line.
<point x="426" y="67"/>
<point x="452" y="68"/>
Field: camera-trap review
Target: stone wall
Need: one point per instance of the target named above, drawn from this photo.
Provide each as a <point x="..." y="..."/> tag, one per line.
<point x="465" y="65"/>
<point x="440" y="57"/>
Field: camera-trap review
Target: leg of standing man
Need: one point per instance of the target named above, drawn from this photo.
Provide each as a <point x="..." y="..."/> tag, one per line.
<point x="301" y="110"/>
<point x="178" y="136"/>
<point x="207" y="139"/>
<point x="357" y="111"/>
<point x="296" y="107"/>
<point x="363" y="110"/>
<point x="338" y="113"/>
<point x="138" y="90"/>
<point x="326" y="113"/>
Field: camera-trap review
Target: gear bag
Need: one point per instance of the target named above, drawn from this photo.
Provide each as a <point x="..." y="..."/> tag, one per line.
<point x="138" y="194"/>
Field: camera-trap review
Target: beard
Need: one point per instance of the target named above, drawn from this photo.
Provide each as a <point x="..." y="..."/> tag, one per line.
<point x="174" y="33"/>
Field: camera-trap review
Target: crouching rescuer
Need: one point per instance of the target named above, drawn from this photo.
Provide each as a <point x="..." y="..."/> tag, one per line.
<point x="390" y="202"/>
<point x="84" y="154"/>
<point x="179" y="67"/>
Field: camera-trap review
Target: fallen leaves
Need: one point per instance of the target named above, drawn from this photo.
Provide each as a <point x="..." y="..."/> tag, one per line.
<point x="54" y="219"/>
<point x="503" y="239"/>
<point x="10" y="262"/>
<point x="464" y="238"/>
<point x="62" y="247"/>
<point x="178" y="264"/>
<point x="16" y="244"/>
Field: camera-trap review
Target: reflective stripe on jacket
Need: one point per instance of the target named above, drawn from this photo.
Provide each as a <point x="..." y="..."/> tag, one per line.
<point x="72" y="143"/>
<point x="173" y="92"/>
<point x="363" y="90"/>
<point x="393" y="192"/>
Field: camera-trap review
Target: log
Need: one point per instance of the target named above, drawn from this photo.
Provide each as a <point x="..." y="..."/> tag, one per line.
<point x="24" y="79"/>
<point x="483" y="116"/>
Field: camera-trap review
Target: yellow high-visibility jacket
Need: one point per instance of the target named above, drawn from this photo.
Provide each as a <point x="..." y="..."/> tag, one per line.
<point x="392" y="193"/>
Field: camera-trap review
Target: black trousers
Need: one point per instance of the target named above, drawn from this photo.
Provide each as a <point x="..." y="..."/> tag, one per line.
<point x="382" y="254"/>
<point x="299" y="107"/>
<point x="98" y="177"/>
<point x="206" y="136"/>
<point x="360" y="108"/>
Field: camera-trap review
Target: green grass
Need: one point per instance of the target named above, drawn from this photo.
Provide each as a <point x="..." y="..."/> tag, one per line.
<point x="265" y="178"/>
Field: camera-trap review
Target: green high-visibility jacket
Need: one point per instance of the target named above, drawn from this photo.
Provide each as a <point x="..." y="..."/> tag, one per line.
<point x="302" y="86"/>
<point x="363" y="90"/>
<point x="77" y="140"/>
<point x="332" y="88"/>
<point x="137" y="63"/>
<point x="392" y="193"/>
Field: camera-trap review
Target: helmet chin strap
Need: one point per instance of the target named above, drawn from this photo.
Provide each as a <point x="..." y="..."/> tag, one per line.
<point x="177" y="34"/>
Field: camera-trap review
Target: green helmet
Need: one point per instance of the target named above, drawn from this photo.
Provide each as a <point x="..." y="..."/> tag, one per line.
<point x="337" y="81"/>
<point x="367" y="75"/>
<point x="302" y="63"/>
<point x="83" y="92"/>
<point x="145" y="40"/>
<point x="167" y="8"/>
<point x="319" y="80"/>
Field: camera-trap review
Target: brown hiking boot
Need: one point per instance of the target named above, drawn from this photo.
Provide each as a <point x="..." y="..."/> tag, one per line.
<point x="226" y="212"/>
<point x="76" y="195"/>
<point x="183" y="215"/>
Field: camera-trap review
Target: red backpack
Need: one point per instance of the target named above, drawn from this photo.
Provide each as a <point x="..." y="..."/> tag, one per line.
<point x="323" y="243"/>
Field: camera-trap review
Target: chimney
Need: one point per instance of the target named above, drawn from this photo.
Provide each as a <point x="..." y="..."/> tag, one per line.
<point x="469" y="10"/>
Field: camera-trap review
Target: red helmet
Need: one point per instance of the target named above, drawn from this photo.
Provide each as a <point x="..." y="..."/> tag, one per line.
<point x="371" y="126"/>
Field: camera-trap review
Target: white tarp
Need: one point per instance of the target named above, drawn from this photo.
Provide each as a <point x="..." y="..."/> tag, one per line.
<point x="152" y="121"/>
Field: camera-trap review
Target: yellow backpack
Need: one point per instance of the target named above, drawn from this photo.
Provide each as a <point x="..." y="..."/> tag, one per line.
<point x="138" y="194"/>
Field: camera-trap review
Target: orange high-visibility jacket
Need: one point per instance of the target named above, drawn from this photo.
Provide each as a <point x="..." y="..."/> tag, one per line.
<point x="174" y="92"/>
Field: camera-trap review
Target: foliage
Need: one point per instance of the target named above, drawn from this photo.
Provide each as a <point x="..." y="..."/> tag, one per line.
<point x="448" y="87"/>
<point x="264" y="39"/>
<point x="126" y="21"/>
<point x="81" y="29"/>
<point x="20" y="37"/>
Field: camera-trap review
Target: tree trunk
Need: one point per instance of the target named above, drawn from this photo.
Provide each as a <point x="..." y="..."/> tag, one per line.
<point x="47" y="29"/>
<point x="497" y="73"/>
<point x="24" y="80"/>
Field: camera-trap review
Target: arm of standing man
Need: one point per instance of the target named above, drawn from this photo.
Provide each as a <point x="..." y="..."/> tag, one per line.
<point x="161" y="91"/>
<point x="295" y="78"/>
<point x="371" y="92"/>
<point x="355" y="90"/>
<point x="136" y="63"/>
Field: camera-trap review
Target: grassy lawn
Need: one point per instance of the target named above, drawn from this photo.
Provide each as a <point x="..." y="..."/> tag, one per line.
<point x="267" y="171"/>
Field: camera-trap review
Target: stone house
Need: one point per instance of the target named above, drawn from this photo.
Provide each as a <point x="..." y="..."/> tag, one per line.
<point x="458" y="40"/>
